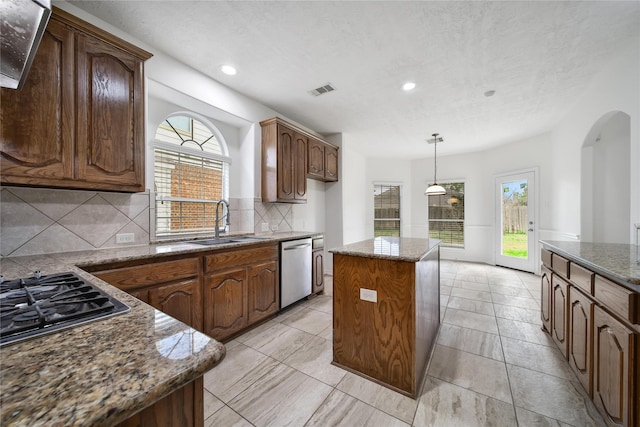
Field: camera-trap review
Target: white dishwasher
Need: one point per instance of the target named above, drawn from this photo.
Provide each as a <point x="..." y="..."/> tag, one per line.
<point x="295" y="271"/>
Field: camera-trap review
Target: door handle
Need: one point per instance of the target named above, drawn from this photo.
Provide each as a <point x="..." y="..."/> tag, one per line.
<point x="531" y="229"/>
<point x="303" y="245"/>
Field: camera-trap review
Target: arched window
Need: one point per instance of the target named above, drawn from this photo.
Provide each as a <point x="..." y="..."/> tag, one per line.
<point x="191" y="174"/>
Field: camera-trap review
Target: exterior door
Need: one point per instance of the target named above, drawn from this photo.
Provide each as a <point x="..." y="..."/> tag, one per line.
<point x="515" y="221"/>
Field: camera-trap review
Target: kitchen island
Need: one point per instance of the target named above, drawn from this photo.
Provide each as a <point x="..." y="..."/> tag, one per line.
<point x="386" y="309"/>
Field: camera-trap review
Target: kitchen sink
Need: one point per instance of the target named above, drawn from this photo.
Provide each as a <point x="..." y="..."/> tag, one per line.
<point x="248" y="239"/>
<point x="226" y="240"/>
<point x="211" y="242"/>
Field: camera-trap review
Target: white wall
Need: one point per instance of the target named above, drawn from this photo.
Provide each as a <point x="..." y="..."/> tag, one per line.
<point x="616" y="88"/>
<point x="611" y="182"/>
<point x="478" y="171"/>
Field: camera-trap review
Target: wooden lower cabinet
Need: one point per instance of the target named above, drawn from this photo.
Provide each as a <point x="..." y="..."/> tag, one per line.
<point x="615" y="354"/>
<point x="183" y="407"/>
<point x="225" y="302"/>
<point x="545" y="303"/>
<point x="241" y="287"/>
<point x="317" y="271"/>
<point x="580" y="333"/>
<point x="593" y="322"/>
<point x="559" y="318"/>
<point x="172" y="287"/>
<point x="181" y="300"/>
<point x="263" y="295"/>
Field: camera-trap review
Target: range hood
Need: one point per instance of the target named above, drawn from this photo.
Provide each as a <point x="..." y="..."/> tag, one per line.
<point x="23" y="24"/>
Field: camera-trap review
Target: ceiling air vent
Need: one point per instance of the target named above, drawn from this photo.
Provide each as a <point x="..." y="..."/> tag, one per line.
<point x="322" y="90"/>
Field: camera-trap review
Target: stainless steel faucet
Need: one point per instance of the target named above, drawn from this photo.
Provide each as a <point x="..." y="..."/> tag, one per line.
<point x="228" y="222"/>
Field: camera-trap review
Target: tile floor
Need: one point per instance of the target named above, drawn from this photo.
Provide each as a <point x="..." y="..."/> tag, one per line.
<point x="492" y="366"/>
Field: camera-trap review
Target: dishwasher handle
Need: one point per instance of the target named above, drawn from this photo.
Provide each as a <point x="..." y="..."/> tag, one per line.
<point x="300" y="246"/>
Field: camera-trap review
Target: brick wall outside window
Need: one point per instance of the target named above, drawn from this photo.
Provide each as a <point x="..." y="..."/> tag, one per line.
<point x="186" y="181"/>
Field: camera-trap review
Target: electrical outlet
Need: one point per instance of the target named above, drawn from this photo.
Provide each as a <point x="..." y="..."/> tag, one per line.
<point x="264" y="226"/>
<point x="368" y="295"/>
<point x="274" y="227"/>
<point x="125" y="238"/>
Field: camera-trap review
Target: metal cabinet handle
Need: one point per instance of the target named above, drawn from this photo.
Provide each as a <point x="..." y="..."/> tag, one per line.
<point x="300" y="246"/>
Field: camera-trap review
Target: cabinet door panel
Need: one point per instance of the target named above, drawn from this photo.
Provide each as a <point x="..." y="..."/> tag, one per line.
<point x="331" y="163"/>
<point x="559" y="319"/>
<point x="37" y="120"/>
<point x="263" y="291"/>
<point x="614" y="355"/>
<point x="545" y="311"/>
<point x="286" y="179"/>
<point x="225" y="303"/>
<point x="315" y="164"/>
<point x="318" y="271"/>
<point x="300" y="167"/>
<point x="580" y="332"/>
<point x="180" y="300"/>
<point x="110" y="138"/>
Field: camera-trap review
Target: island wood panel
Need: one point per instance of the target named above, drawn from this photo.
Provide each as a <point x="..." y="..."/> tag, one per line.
<point x="183" y="407"/>
<point x="376" y="339"/>
<point x="388" y="341"/>
<point x="427" y="310"/>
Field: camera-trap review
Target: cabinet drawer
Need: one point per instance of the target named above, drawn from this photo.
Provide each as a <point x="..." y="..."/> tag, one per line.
<point x="560" y="265"/>
<point x="581" y="277"/>
<point x="227" y="259"/>
<point x="150" y="274"/>
<point x="616" y="298"/>
<point x="546" y="258"/>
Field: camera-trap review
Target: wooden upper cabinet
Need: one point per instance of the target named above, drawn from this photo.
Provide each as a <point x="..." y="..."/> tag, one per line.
<point x="110" y="115"/>
<point x="290" y="155"/>
<point x="37" y="120"/>
<point x="330" y="163"/>
<point x="78" y="122"/>
<point x="322" y="161"/>
<point x="284" y="160"/>
<point x="315" y="157"/>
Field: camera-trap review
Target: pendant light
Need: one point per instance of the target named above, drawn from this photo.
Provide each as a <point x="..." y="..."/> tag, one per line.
<point x="435" y="189"/>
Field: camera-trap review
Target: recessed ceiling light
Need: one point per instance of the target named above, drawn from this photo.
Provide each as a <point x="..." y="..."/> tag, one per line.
<point x="489" y="93"/>
<point x="228" y="70"/>
<point x="408" y="86"/>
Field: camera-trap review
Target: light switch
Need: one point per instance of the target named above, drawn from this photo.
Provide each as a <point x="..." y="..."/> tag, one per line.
<point x="368" y="295"/>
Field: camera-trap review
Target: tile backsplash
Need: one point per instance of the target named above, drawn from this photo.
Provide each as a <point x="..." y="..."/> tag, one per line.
<point x="42" y="220"/>
<point x="35" y="221"/>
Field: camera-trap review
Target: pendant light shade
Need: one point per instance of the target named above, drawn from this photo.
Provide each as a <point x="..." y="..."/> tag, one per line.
<point x="435" y="189"/>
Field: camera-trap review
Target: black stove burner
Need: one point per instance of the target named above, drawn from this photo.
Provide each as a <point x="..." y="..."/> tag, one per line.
<point x="42" y="304"/>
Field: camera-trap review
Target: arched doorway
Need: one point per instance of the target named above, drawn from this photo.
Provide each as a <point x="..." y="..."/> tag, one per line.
<point x="606" y="180"/>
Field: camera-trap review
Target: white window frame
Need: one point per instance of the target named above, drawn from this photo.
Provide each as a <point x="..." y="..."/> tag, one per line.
<point x="224" y="158"/>
<point x="401" y="195"/>
<point x="464" y="219"/>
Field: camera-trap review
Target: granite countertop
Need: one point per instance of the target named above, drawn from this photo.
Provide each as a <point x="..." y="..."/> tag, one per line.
<point x="409" y="249"/>
<point x="618" y="262"/>
<point x="101" y="373"/>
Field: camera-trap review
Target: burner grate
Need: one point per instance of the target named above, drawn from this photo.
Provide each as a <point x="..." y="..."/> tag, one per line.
<point x="41" y="304"/>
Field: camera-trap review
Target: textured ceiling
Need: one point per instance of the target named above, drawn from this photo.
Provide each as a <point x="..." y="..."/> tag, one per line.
<point x="538" y="56"/>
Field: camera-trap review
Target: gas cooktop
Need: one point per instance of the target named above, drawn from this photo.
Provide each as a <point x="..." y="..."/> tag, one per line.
<point x="40" y="304"/>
